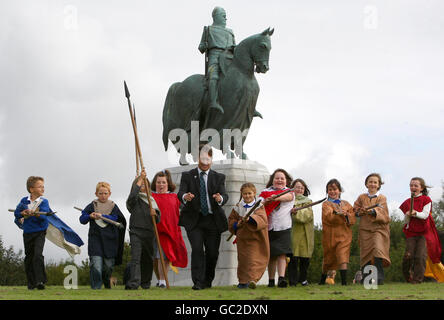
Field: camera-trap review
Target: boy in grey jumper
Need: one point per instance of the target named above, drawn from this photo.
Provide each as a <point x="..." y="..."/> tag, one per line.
<point x="141" y="235"/>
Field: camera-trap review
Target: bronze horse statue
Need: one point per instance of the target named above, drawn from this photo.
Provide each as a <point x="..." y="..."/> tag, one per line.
<point x="238" y="91"/>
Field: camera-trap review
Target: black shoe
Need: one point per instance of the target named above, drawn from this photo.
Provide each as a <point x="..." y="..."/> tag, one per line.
<point x="323" y="278"/>
<point x="40" y="286"/>
<point x="162" y="286"/>
<point x="304" y="283"/>
<point x="271" y="283"/>
<point x="145" y="285"/>
<point x="197" y="287"/>
<point x="131" y="288"/>
<point x="282" y="283"/>
<point x="242" y="286"/>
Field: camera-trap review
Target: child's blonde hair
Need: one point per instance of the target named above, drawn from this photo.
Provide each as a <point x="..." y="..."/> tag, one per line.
<point x="103" y="185"/>
<point x="247" y="185"/>
<point x="31" y="182"/>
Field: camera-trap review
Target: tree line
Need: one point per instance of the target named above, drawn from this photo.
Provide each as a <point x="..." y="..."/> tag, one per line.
<point x="12" y="270"/>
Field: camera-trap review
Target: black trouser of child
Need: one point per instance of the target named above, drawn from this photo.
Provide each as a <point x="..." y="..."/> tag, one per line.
<point x="141" y="264"/>
<point x="297" y="270"/>
<point x="343" y="277"/>
<point x="34" y="260"/>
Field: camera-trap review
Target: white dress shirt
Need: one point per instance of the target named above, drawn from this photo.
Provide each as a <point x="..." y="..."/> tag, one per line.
<point x="280" y="218"/>
<point x="205" y="177"/>
<point x="33" y="204"/>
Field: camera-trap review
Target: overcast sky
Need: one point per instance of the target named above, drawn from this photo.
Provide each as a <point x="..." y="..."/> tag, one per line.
<point x="353" y="88"/>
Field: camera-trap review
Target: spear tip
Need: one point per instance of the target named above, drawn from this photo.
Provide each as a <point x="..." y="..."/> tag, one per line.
<point x="127" y="94"/>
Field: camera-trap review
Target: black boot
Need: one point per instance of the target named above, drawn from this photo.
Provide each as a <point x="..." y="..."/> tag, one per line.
<point x="323" y="278"/>
<point x="379" y="266"/>
<point x="282" y="283"/>
<point x="343" y="277"/>
<point x="303" y="267"/>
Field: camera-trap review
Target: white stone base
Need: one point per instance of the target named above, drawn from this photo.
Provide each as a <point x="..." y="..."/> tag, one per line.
<point x="237" y="172"/>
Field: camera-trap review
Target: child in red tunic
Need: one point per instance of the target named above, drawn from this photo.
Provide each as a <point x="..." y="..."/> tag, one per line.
<point x="170" y="235"/>
<point x="420" y="232"/>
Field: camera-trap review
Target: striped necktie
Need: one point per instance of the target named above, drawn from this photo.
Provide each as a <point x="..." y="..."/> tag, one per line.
<point x="203" y="195"/>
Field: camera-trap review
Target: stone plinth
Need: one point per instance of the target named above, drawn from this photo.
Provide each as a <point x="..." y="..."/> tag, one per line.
<point x="237" y="172"/>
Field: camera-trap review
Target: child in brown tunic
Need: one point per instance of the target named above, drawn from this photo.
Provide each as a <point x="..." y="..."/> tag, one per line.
<point x="374" y="227"/>
<point x="337" y="219"/>
<point x="253" y="249"/>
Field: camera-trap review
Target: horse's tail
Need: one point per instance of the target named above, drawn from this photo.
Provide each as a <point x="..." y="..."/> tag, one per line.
<point x="168" y="109"/>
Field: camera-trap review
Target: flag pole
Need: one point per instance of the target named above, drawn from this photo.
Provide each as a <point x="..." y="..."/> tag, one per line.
<point x="147" y="188"/>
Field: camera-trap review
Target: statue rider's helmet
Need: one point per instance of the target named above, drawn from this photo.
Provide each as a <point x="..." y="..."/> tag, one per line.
<point x="219" y="16"/>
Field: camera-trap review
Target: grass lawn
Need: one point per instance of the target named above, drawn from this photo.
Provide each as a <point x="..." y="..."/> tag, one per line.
<point x="388" y="291"/>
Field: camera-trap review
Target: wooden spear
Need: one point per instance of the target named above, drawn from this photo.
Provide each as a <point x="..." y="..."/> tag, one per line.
<point x="412" y="197"/>
<point x="115" y="223"/>
<point x="255" y="206"/>
<point x="137" y="156"/>
<point x="147" y="187"/>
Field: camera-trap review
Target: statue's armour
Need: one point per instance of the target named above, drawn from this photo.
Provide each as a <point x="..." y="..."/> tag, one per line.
<point x="221" y="38"/>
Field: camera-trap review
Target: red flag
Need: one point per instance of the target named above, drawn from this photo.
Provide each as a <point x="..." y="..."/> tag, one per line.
<point x="433" y="243"/>
<point x="272" y="205"/>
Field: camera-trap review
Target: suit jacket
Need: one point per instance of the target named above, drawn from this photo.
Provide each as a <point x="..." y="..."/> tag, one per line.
<point x="190" y="213"/>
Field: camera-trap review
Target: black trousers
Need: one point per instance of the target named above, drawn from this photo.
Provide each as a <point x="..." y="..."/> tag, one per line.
<point x="205" y="241"/>
<point x="297" y="263"/>
<point x="141" y="264"/>
<point x="34" y="260"/>
<point x="379" y="267"/>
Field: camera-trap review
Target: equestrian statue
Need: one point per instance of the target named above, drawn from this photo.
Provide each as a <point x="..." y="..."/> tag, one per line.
<point x="221" y="100"/>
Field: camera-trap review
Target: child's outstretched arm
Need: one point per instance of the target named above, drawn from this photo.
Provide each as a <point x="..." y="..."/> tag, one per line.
<point x="85" y="217"/>
<point x="133" y="196"/>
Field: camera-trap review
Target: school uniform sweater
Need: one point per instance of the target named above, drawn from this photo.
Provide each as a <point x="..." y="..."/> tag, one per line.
<point x="32" y="223"/>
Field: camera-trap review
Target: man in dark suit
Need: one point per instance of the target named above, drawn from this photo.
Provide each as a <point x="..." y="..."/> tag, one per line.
<point x="202" y="191"/>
